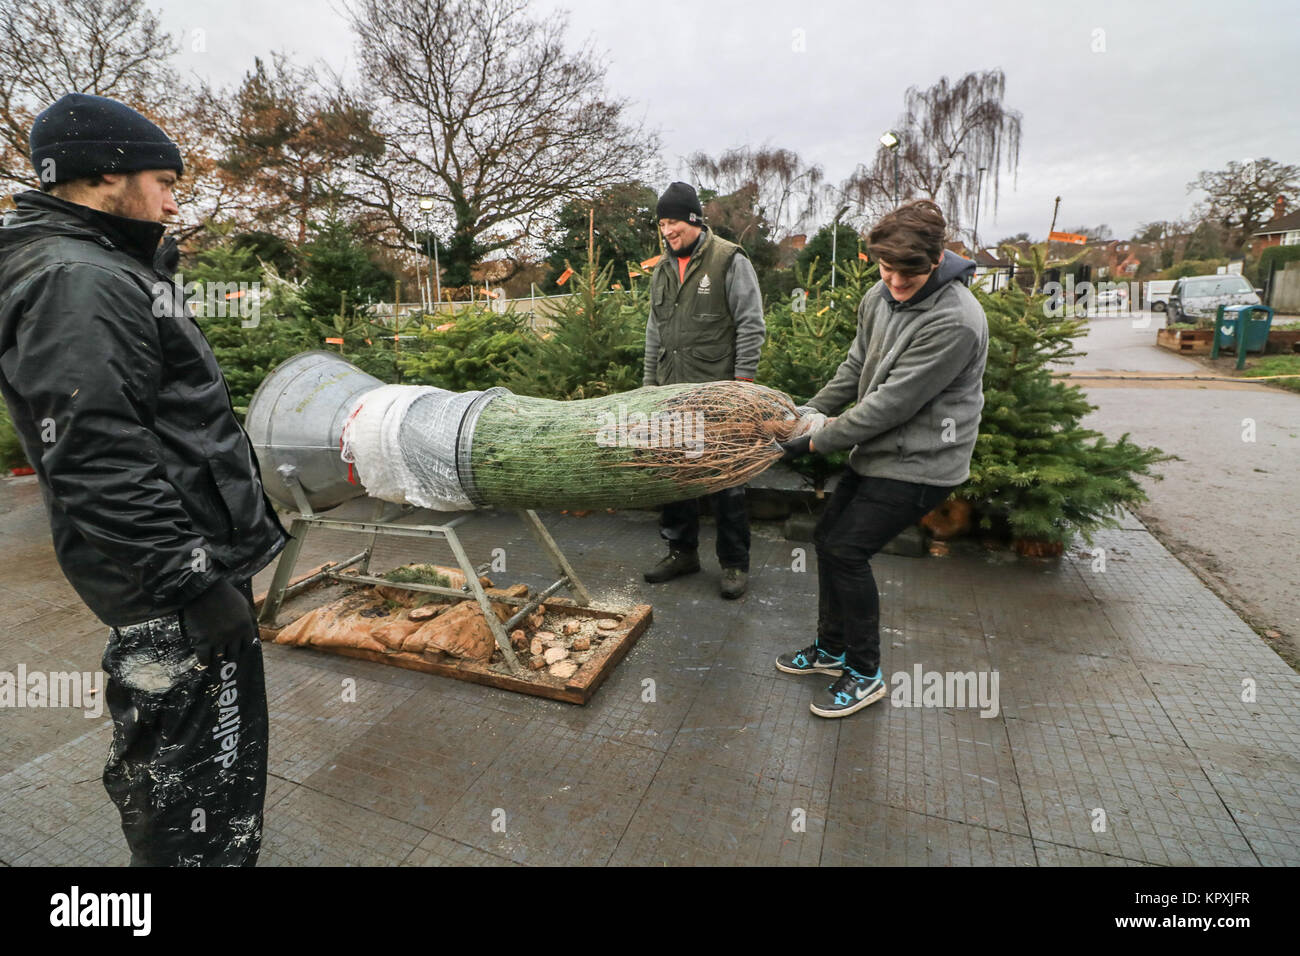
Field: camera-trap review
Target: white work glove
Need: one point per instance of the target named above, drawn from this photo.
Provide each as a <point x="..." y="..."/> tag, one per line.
<point x="810" y="422"/>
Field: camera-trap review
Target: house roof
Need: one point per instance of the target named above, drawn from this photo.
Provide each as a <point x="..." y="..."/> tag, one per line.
<point x="983" y="257"/>
<point x="1284" y="224"/>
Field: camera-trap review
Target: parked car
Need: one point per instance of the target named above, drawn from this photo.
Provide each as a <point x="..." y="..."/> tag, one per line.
<point x="1104" y="302"/>
<point x="1157" y="294"/>
<point x="1199" y="297"/>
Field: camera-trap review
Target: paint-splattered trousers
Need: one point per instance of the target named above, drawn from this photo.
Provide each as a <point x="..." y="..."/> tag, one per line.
<point x="187" y="766"/>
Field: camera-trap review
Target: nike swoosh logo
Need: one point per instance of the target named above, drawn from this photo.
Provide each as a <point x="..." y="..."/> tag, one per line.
<point x="862" y="692"/>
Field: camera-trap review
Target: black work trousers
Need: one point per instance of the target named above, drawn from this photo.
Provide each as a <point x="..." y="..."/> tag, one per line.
<point x="187" y="766"/>
<point x="864" y="515"/>
<point x="679" y="525"/>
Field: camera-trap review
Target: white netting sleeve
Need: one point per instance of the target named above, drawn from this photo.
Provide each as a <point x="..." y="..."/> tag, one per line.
<point x="402" y="440"/>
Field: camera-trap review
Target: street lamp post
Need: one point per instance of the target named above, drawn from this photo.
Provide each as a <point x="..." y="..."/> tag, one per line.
<point x="426" y="204"/>
<point x="835" y="234"/>
<point x="419" y="279"/>
<point x="979" y="182"/>
<point x="890" y="141"/>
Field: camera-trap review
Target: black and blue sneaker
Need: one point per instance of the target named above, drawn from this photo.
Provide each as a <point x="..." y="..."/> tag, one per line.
<point x="850" y="693"/>
<point x="810" y="660"/>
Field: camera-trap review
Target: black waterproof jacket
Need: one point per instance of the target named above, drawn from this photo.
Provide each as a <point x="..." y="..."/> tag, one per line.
<point x="152" y="486"/>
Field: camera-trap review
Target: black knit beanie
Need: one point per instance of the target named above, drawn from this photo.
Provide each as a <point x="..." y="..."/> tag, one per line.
<point x="679" y="201"/>
<point x="82" y="135"/>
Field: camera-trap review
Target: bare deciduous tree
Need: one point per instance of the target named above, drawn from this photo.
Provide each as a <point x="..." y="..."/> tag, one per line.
<point x="948" y="133"/>
<point x="1240" y="198"/>
<point x="290" y="145"/>
<point x="1166" y="236"/>
<point x="113" y="48"/>
<point x="483" y="108"/>
<point x="785" y="189"/>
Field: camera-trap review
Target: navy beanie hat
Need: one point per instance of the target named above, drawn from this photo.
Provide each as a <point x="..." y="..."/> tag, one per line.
<point x="82" y="135"/>
<point x="679" y="201"/>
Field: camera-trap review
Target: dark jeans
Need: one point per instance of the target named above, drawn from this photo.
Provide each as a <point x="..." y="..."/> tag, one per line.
<point x="864" y="515"/>
<point x="187" y="766"/>
<point x="679" y="525"/>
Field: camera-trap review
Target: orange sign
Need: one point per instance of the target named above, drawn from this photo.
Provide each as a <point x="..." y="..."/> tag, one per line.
<point x="863" y="257"/>
<point x="564" y="277"/>
<point x="651" y="263"/>
<point x="1068" y="237"/>
<point x="333" y="341"/>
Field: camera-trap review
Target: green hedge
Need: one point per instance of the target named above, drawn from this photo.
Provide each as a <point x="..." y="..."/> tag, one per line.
<point x="11" y="450"/>
<point x="1191" y="267"/>
<point x="1276" y="257"/>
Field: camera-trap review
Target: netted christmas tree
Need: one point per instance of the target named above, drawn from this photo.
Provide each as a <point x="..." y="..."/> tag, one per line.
<point x="1036" y="474"/>
<point x="808" y="336"/>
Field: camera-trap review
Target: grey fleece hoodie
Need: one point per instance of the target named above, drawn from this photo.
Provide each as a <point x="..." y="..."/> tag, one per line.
<point x="916" y="370"/>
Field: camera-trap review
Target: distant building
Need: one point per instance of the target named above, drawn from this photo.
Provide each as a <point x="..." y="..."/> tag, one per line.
<point x="992" y="272"/>
<point x="1282" y="230"/>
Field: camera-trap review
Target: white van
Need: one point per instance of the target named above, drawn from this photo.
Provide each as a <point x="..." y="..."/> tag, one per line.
<point x="1156" y="294"/>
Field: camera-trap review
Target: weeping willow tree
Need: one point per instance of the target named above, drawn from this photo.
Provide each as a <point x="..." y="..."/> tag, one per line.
<point x="955" y="140"/>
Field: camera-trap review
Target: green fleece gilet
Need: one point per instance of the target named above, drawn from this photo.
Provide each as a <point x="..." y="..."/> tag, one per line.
<point x="697" y="334"/>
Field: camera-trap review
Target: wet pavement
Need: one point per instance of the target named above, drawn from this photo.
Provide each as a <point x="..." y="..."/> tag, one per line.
<point x="1137" y="721"/>
<point x="1227" y="506"/>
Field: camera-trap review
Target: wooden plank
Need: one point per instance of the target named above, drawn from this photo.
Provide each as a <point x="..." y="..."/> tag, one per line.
<point x="586" y="680"/>
<point x="1194" y="341"/>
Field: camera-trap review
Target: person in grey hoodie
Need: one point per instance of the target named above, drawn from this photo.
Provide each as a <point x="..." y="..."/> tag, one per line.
<point x="916" y="370"/>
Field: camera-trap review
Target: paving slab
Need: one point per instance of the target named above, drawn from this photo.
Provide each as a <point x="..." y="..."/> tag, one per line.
<point x="1123" y="685"/>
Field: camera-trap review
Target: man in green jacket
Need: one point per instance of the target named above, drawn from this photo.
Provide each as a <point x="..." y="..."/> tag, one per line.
<point x="916" y="370"/>
<point x="705" y="325"/>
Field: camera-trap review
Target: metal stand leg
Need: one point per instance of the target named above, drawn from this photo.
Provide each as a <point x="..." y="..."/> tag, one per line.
<point x="489" y="616"/>
<point x="284" y="571"/>
<point x="557" y="557"/>
<point x="380" y="507"/>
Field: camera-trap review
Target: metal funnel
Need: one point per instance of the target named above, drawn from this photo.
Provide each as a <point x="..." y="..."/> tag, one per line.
<point x="295" y="421"/>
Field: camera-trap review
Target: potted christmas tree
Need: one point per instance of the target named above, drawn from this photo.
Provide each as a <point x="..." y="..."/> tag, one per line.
<point x="1037" y="476"/>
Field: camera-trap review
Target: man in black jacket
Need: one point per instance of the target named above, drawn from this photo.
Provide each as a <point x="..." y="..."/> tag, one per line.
<point x="153" y="491"/>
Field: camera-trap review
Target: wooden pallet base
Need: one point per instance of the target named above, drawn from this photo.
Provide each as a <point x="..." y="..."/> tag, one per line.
<point x="1186" y="341"/>
<point x="577" y="689"/>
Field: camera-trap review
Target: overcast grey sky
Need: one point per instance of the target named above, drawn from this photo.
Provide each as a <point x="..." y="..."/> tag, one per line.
<point x="1117" y="132"/>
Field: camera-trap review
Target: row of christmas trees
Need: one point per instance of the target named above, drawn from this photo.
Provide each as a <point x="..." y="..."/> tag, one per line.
<point x="1036" y="472"/>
